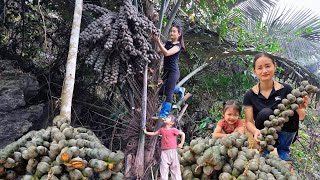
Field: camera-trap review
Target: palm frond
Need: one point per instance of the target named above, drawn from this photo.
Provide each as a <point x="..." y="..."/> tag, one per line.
<point x="296" y="30"/>
<point x="253" y="8"/>
<point x="258" y="2"/>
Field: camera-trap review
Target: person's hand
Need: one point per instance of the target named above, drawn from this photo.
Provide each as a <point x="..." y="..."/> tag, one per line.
<point x="180" y="145"/>
<point x="256" y="134"/>
<point x="150" y="37"/>
<point x="160" y="81"/>
<point x="156" y="39"/>
<point x="144" y="129"/>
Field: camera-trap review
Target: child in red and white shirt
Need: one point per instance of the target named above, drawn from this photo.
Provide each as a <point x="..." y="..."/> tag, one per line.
<point x="231" y="121"/>
<point x="169" y="154"/>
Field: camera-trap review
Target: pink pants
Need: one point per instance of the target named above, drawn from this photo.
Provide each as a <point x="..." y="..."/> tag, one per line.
<point x="169" y="160"/>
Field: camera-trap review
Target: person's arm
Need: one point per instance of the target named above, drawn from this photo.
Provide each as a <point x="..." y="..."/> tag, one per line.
<point x="163" y="50"/>
<point x="248" y="112"/>
<point x="150" y="133"/>
<point x="183" y="137"/>
<point x="302" y="107"/>
<point x="217" y="132"/>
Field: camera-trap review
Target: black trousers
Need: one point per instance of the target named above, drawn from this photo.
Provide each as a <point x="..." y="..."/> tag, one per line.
<point x="170" y="79"/>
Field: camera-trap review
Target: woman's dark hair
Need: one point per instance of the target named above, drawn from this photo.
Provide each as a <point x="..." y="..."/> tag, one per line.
<point x="181" y="39"/>
<point x="263" y="55"/>
<point x="231" y="104"/>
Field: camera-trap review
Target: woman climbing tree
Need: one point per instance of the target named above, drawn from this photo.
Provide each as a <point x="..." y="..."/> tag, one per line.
<point x="171" y="51"/>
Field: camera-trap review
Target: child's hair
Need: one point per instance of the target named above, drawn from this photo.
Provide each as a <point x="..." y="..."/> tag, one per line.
<point x="173" y="118"/>
<point x="231" y="104"/>
<point x="181" y="39"/>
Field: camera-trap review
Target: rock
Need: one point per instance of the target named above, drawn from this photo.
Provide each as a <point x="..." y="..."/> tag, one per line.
<point x="16" y="116"/>
<point x="11" y="98"/>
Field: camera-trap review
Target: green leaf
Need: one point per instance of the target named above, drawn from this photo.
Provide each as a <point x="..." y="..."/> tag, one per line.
<point x="309" y="30"/>
<point x="165" y="20"/>
<point x="203" y="125"/>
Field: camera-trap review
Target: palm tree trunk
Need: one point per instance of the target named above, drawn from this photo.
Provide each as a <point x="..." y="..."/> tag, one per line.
<point x="68" y="84"/>
<point x="139" y="162"/>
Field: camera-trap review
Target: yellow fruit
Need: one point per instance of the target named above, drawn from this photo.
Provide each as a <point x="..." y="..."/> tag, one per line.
<point x="110" y="166"/>
<point x="66" y="156"/>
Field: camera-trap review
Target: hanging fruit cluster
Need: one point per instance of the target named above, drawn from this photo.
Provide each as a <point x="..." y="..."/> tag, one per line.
<point x="117" y="43"/>
<point x="281" y="115"/>
<point x="59" y="152"/>
<point x="229" y="158"/>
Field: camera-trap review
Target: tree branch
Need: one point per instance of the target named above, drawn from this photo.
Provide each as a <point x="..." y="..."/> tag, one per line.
<point x="172" y="15"/>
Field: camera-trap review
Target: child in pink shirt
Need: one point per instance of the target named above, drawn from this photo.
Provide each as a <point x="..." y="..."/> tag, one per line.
<point x="231" y="121"/>
<point x="169" y="155"/>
